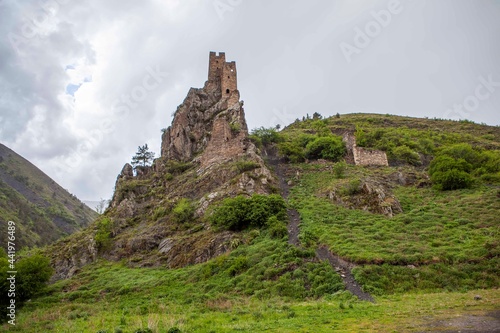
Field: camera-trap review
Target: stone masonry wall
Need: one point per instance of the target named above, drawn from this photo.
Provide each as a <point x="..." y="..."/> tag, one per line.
<point x="361" y="156"/>
<point x="369" y="157"/>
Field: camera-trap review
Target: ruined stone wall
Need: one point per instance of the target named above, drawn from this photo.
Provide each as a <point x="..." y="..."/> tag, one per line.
<point x="361" y="156"/>
<point x="350" y="143"/>
<point x="369" y="157"/>
<point x="226" y="143"/>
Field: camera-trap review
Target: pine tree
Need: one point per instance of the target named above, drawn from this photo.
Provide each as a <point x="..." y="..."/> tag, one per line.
<point x="143" y="156"/>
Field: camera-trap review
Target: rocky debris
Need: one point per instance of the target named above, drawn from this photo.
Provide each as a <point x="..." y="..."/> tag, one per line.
<point x="343" y="268"/>
<point x="372" y="196"/>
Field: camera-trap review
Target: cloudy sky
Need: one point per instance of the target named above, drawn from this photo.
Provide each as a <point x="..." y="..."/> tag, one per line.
<point x="84" y="83"/>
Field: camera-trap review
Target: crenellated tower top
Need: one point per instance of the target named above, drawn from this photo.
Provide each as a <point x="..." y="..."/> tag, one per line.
<point x="224" y="74"/>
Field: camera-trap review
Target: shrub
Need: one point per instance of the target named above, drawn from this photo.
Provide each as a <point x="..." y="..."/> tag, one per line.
<point x="406" y="154"/>
<point x="243" y="166"/>
<point x="241" y="212"/>
<point x="266" y="136"/>
<point x="445" y="163"/>
<point x="352" y="188"/>
<point x="32" y="275"/>
<point x="277" y="228"/>
<point x="339" y="169"/>
<point x="292" y="151"/>
<point x="175" y="167"/>
<point x="329" y="147"/>
<point x="462" y="151"/>
<point x="183" y="211"/>
<point x="451" y="180"/>
<point x="103" y="234"/>
<point x="448" y="173"/>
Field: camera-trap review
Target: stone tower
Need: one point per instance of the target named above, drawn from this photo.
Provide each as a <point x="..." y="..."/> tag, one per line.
<point x="222" y="75"/>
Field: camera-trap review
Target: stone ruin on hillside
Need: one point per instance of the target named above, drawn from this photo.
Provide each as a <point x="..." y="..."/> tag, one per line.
<point x="362" y="156"/>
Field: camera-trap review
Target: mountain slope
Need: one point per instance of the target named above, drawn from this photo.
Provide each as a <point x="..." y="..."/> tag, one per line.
<point x="43" y="210"/>
<point x="434" y="258"/>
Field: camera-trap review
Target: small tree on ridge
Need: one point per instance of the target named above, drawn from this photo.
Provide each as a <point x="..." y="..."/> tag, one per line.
<point x="143" y="156"/>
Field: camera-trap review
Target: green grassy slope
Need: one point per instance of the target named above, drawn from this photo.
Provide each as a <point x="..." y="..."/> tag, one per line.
<point x="43" y="210"/>
<point x="424" y="265"/>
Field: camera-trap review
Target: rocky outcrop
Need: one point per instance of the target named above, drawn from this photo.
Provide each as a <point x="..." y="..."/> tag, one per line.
<point x="371" y="196"/>
<point x="206" y="156"/>
<point x="68" y="257"/>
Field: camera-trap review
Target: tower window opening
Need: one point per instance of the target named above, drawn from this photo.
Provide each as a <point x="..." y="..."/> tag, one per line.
<point x="227" y="91"/>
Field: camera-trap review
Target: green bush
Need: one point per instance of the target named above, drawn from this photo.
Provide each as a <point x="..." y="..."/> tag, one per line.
<point x="241" y="212"/>
<point x="33" y="273"/>
<point x="183" y="211"/>
<point x="445" y="163"/>
<point x="277" y="228"/>
<point x="451" y="179"/>
<point x="462" y="151"/>
<point x="175" y="167"/>
<point x="328" y="147"/>
<point x="103" y="234"/>
<point x="265" y="136"/>
<point x="449" y="172"/>
<point x="406" y="154"/>
<point x="243" y="166"/>
<point x="339" y="169"/>
<point x="292" y="151"/>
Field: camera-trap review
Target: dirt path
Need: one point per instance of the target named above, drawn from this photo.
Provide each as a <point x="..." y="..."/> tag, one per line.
<point x="322" y="253"/>
<point x="344" y="269"/>
<point x="293" y="215"/>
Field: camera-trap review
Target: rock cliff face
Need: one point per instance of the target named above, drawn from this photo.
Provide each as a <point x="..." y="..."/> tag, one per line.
<point x="206" y="156"/>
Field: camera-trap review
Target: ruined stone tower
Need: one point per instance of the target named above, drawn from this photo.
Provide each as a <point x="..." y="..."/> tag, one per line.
<point x="222" y="75"/>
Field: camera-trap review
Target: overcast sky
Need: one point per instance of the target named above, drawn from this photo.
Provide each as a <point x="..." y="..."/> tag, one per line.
<point x="84" y="83"/>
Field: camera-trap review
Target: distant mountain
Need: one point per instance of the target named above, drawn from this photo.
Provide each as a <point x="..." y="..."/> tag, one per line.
<point x="92" y="203"/>
<point x="43" y="210"/>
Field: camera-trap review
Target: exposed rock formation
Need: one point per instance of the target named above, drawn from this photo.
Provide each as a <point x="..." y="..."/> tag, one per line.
<point x="206" y="156"/>
<point x="372" y="196"/>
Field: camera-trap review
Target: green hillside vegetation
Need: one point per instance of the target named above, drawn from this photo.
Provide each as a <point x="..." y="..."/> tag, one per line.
<point x="422" y="235"/>
<point x="43" y="210"/>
